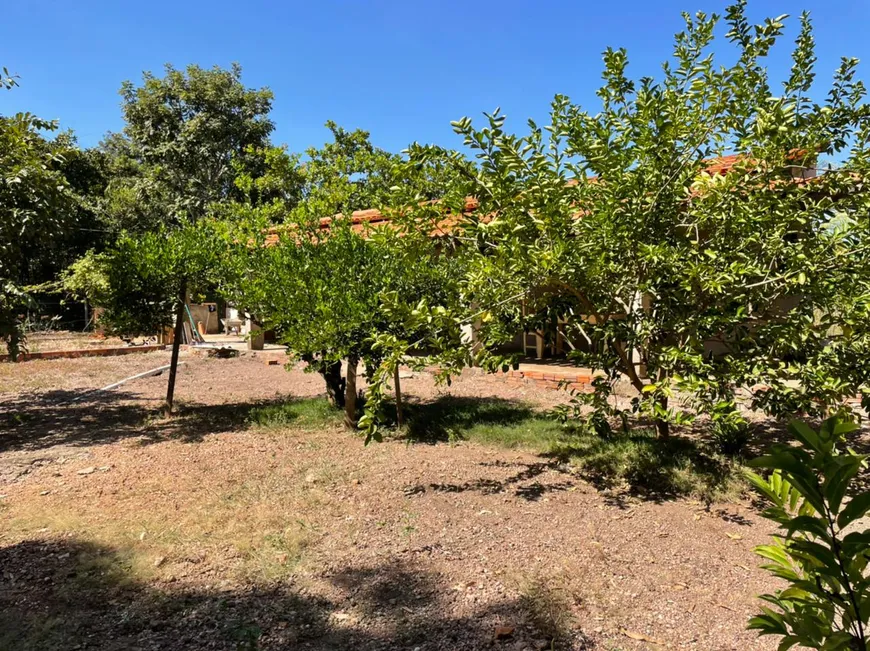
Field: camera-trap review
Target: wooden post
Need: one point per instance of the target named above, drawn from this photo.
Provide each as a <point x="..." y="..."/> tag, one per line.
<point x="400" y="418"/>
<point x="176" y="345"/>
<point x="350" y="394"/>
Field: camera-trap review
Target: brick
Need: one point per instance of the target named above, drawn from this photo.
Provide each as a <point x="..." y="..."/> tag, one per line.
<point x="86" y="352"/>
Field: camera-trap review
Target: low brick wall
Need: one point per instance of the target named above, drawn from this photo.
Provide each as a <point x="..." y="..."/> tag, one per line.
<point x="85" y="352"/>
<point x="557" y="380"/>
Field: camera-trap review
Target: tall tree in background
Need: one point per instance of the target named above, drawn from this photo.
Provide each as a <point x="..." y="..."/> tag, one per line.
<point x="187" y="137"/>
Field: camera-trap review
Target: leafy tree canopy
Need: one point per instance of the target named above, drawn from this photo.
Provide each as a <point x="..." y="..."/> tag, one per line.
<point x="611" y="224"/>
<point x="323" y="285"/>
<point x="188" y="136"/>
<point x="37" y="207"/>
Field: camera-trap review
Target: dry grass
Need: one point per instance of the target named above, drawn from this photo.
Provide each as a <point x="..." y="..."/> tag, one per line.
<point x="548" y="600"/>
<point x="258" y="526"/>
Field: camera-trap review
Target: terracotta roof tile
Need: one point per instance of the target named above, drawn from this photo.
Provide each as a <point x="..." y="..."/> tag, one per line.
<point x="363" y="220"/>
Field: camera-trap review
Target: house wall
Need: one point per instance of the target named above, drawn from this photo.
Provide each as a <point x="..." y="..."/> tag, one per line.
<point x="211" y="320"/>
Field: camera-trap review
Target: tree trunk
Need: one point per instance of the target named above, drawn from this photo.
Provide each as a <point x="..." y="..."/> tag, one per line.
<point x="663" y="427"/>
<point x="331" y="374"/>
<point x="350" y="419"/>
<point x="176" y="344"/>
<point x="400" y="417"/>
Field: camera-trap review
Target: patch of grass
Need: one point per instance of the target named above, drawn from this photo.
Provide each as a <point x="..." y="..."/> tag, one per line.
<point x="637" y="460"/>
<point x="273" y="555"/>
<point x="647" y="465"/>
<point x="304" y="414"/>
<point x="256" y="528"/>
<point x="548" y="603"/>
<point x="454" y="418"/>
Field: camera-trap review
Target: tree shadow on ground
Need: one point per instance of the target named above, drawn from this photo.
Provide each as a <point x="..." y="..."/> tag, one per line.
<point x="649" y="467"/>
<point x="525" y="483"/>
<point x="771" y="432"/>
<point x="63" y="594"/>
<point x="446" y="418"/>
<point x="81" y="418"/>
<point x="636" y="460"/>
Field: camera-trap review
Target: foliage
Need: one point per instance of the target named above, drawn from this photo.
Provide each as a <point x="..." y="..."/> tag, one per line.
<point x="730" y="429"/>
<point x="323" y="293"/>
<point x="36" y="208"/>
<point x="188" y="136"/>
<point x="331" y="285"/>
<point x="86" y="279"/>
<point x="139" y="281"/>
<point x="815" y="498"/>
<point x="8" y="80"/>
<point x="661" y="267"/>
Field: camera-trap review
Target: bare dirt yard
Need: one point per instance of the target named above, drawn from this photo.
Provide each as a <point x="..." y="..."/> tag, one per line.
<point x="252" y="520"/>
<point x="51" y="340"/>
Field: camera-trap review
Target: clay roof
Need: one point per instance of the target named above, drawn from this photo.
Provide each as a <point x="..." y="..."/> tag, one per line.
<point x="722" y="164"/>
<point x="363" y="220"/>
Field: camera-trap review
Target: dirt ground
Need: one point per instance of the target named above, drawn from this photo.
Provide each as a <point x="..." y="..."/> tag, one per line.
<point x="122" y="530"/>
<point x="40" y="342"/>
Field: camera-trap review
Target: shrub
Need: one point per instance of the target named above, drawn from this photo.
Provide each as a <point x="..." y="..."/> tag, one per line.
<point x="827" y="602"/>
<point x="729" y="429"/>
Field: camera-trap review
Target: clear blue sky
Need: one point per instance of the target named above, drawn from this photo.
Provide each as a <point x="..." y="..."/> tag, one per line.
<point x="400" y="69"/>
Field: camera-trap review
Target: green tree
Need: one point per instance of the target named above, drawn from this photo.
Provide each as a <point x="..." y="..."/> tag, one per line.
<point x="37" y="208"/>
<point x="323" y="278"/>
<point x="663" y="268"/>
<point x="143" y="283"/>
<point x="187" y="139"/>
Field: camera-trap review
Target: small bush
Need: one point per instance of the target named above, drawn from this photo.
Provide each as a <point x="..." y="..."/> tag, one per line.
<point x="730" y="432"/>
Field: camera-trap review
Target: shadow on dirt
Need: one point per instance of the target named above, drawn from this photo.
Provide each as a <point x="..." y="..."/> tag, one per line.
<point x="58" y="595"/>
<point x="524" y="483"/>
<point x="82" y="418"/>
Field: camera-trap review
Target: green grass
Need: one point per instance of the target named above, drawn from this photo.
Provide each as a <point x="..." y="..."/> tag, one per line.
<point x="304" y="414"/>
<point x="636" y="460"/>
<point x="639" y="460"/>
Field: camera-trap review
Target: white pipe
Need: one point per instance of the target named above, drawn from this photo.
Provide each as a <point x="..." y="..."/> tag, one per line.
<point x="153" y="371"/>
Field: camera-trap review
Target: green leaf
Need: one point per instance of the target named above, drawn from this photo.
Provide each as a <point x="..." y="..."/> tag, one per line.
<point x="854" y="510"/>
<point x="805" y="434"/>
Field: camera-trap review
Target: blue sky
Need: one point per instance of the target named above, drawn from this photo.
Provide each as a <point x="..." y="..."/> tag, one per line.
<point x="402" y="70"/>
